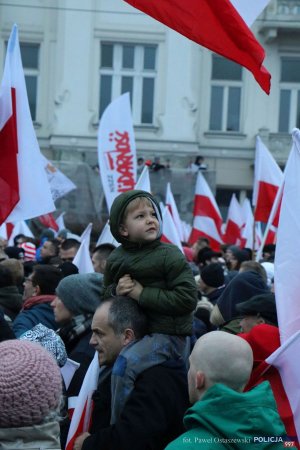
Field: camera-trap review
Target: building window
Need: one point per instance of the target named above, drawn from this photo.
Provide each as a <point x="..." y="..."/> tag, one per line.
<point x="225" y="101"/>
<point x="289" y="103"/>
<point x="30" y="61"/>
<point x="129" y="68"/>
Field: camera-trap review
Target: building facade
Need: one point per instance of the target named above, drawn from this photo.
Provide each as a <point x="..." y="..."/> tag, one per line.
<point x="186" y="101"/>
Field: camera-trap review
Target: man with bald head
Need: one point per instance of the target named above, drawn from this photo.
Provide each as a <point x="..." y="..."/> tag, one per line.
<point x="222" y="415"/>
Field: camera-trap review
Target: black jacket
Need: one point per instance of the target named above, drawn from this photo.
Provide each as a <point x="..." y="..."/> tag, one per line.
<point x="152" y="416"/>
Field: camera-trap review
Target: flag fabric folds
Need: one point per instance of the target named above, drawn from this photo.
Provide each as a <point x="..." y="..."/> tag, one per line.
<point x="207" y="217"/>
<point x="60" y="184"/>
<point x="171" y="204"/>
<point x="48" y="221"/>
<point x="234" y="223"/>
<point x="82" y="258"/>
<point x="169" y="232"/>
<point x="143" y="182"/>
<point x="116" y="149"/>
<point x="83" y="409"/>
<point x="287" y="280"/>
<point x="19" y="228"/>
<point x="215" y="25"/>
<point x="268" y="178"/>
<point x="32" y="197"/>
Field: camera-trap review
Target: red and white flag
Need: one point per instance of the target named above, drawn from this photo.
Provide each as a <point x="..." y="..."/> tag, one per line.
<point x="82" y="258"/>
<point x="171" y="204"/>
<point x="3" y="231"/>
<point x="169" y="232"/>
<point x="24" y="188"/>
<point x="116" y="149"/>
<point x="207" y="217"/>
<point x="268" y="178"/>
<point x="247" y="228"/>
<point x="234" y="223"/>
<point x="143" y="182"/>
<point x="19" y="228"/>
<point x="216" y="25"/>
<point x="48" y="221"/>
<point x="81" y="417"/>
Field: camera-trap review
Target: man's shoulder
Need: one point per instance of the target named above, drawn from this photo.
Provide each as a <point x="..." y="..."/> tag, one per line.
<point x="171" y="374"/>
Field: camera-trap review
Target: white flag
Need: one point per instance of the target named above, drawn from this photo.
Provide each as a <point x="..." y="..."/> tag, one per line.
<point x="60" y="184"/>
<point x="83" y="258"/>
<point x="249" y="10"/>
<point x="143" y="182"/>
<point x="20" y="228"/>
<point x="116" y="149"/>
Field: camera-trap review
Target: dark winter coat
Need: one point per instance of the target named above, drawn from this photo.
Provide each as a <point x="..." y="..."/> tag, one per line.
<point x="170" y="294"/>
<point x="152" y="416"/>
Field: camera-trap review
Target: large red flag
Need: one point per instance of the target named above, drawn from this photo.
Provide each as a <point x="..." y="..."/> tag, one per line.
<point x="214" y="24"/>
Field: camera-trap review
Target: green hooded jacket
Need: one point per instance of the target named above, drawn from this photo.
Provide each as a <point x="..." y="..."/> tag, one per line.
<point x="169" y="296"/>
<point x="226" y="419"/>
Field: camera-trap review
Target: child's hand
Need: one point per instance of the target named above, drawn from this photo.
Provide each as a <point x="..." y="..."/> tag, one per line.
<point x="136" y="291"/>
<point x="125" y="285"/>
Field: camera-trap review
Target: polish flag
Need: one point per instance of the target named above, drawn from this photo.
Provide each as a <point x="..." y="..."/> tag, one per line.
<point x="247" y="228"/>
<point x="81" y="417"/>
<point x="24" y="188"/>
<point x="171" y="204"/>
<point x="234" y="223"/>
<point x="143" y="182"/>
<point x="207" y="216"/>
<point x="268" y="178"/>
<point x="48" y="221"/>
<point x="217" y="25"/>
<point x="170" y="232"/>
<point x="19" y="228"/>
<point x="82" y="258"/>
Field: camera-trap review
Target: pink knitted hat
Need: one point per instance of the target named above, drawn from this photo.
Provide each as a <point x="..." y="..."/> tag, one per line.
<point x="30" y="383"/>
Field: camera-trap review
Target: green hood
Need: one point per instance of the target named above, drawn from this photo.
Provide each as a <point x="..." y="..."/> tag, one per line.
<point x="225" y="413"/>
<point x="118" y="208"/>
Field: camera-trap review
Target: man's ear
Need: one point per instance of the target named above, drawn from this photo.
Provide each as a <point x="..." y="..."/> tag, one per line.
<point x="123" y="230"/>
<point x="129" y="336"/>
<point x="200" y="380"/>
<point x="37" y="289"/>
<point x="260" y="320"/>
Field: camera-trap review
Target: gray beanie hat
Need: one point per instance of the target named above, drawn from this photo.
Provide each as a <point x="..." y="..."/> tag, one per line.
<point x="81" y="293"/>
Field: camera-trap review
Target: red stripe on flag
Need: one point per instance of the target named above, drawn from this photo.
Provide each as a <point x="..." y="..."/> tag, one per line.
<point x="233" y="233"/>
<point x="196" y="234"/>
<point x="79" y="430"/>
<point x="204" y="207"/>
<point x="166" y="240"/>
<point x="265" y="199"/>
<point x="9" y="181"/>
<point x="215" y="25"/>
<point x="48" y="221"/>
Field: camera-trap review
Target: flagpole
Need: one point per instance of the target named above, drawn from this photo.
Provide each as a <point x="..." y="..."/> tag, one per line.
<point x="270" y="220"/>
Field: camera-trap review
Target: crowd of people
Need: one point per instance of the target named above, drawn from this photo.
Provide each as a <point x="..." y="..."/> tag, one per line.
<point x="181" y="341"/>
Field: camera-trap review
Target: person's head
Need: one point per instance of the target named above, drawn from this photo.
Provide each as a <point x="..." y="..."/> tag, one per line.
<point x="67" y="268"/>
<point x="199" y="160"/>
<point x="6" y="278"/>
<point x="219" y="357"/>
<point x="15" y="252"/>
<point x="235" y="256"/>
<point x="211" y="278"/>
<point x="42" y="281"/>
<point x="30" y="384"/>
<point x="140" y="161"/>
<point x="16" y="269"/>
<point x="255" y="267"/>
<point x="50" y="248"/>
<point x="268" y="252"/>
<point x="207" y="256"/>
<point x="100" y="255"/>
<point x="135" y="216"/>
<point x="257" y="310"/>
<point x="76" y="295"/>
<point x="19" y="239"/>
<point x="201" y="243"/>
<point x="68" y="249"/>
<point x="116" y="322"/>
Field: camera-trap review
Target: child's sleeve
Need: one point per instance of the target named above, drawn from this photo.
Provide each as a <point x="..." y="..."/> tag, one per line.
<point x="108" y="281"/>
<point x="180" y="295"/>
